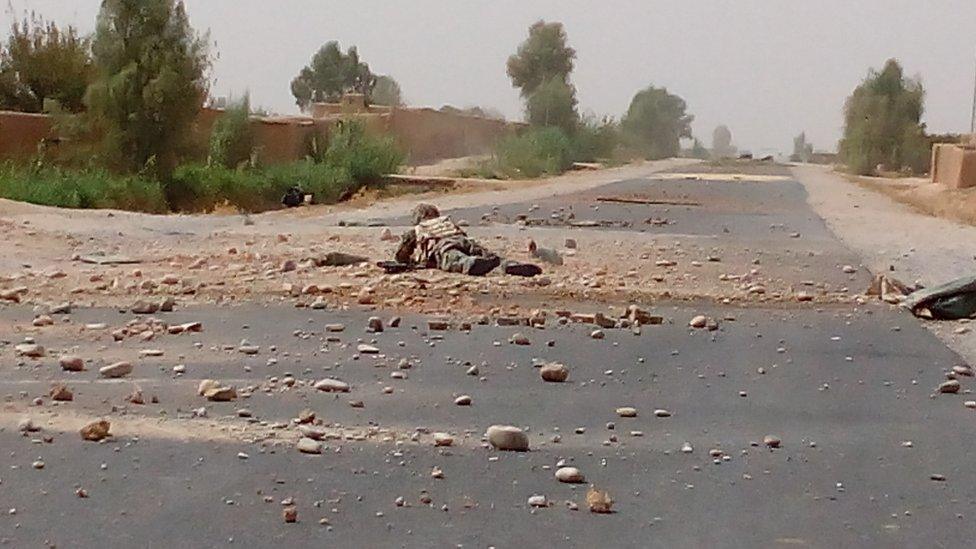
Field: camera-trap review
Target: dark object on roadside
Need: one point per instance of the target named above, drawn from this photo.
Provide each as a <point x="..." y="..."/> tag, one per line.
<point x="950" y="301"/>
<point x="516" y="268"/>
<point x="338" y="259"/>
<point x="293" y="198"/>
<point x="394" y="267"/>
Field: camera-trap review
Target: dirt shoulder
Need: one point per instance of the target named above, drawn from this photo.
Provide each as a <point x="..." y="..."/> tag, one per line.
<point x="892" y="237"/>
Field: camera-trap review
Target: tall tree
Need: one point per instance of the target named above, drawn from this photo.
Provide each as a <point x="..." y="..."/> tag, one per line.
<point x="151" y="81"/>
<point x="41" y="62"/>
<point x="553" y="104"/>
<point x="544" y="56"/>
<point x="386" y="92"/>
<point x="657" y="120"/>
<point x="331" y="74"/>
<point x="722" y="142"/>
<point x="882" y="123"/>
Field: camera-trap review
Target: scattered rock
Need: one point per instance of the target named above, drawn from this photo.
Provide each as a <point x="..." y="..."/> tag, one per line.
<point x="538" y="501"/>
<point x="699" y="321"/>
<point x="307" y="445"/>
<point x="143" y="307"/>
<point x="30" y="350"/>
<point x="520" y="339"/>
<point x="72" y="363"/>
<point x="950" y="387"/>
<point x="554" y="372"/>
<point x="599" y="501"/>
<point x="570" y="475"/>
<point x="627" y="411"/>
<point x="96" y="431"/>
<point x="289" y="515"/>
<point x="508" y="438"/>
<point x="443" y="439"/>
<point x="220" y="394"/>
<point x="116" y="370"/>
<point x="772" y="441"/>
<point x="375" y="324"/>
<point x="330" y="385"/>
<point x="463" y="400"/>
<point x="61" y="393"/>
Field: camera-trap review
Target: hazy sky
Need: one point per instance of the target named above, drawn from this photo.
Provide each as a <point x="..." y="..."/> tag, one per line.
<point x="766" y="68"/>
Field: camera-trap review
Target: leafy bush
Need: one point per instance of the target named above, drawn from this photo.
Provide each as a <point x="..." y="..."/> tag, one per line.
<point x="538" y="151"/>
<point x="596" y="140"/>
<point x="89" y="188"/>
<point x="364" y="156"/>
<point x="232" y="139"/>
<point x="201" y="188"/>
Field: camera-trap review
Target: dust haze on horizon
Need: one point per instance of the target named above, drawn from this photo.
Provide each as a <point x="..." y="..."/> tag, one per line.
<point x="768" y="69"/>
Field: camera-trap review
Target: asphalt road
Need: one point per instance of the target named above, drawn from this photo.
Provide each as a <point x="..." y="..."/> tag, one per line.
<point x="848" y="390"/>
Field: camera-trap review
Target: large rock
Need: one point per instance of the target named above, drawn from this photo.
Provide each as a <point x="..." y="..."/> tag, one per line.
<point x="554" y="372"/>
<point x="119" y="369"/>
<point x="220" y="394"/>
<point x="72" y="363"/>
<point x="507" y="437"/>
<point x="96" y="431"/>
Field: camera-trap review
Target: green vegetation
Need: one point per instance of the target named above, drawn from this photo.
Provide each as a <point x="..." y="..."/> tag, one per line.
<point x="656" y="121"/>
<point x="882" y="124"/>
<point x="386" y="92"/>
<point x="232" y="139"/>
<point x="537" y="152"/>
<point x="544" y="56"/>
<point x="41" y="63"/>
<point x="553" y="105"/>
<point x="89" y="188"/>
<point x="331" y="74"/>
<point x="150" y="84"/>
<point x="352" y="160"/>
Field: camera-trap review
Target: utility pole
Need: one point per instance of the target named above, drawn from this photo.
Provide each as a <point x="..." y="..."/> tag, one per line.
<point x="972" y="119"/>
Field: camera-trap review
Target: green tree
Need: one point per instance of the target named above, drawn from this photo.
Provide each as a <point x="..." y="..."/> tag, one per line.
<point x="543" y="57"/>
<point x="41" y="62"/>
<point x="656" y="121"/>
<point x="698" y="150"/>
<point x="882" y="123"/>
<point x="151" y="81"/>
<point x="722" y="142"/>
<point x="553" y="104"/>
<point x="331" y="74"/>
<point x="232" y="139"/>
<point x="386" y="92"/>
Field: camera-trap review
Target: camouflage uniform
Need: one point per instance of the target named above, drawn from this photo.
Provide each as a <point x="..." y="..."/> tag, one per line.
<point x="439" y="243"/>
